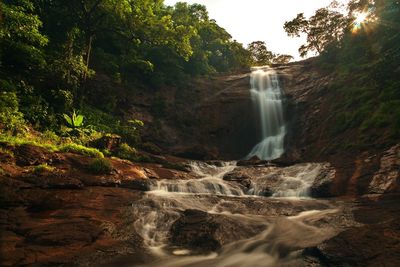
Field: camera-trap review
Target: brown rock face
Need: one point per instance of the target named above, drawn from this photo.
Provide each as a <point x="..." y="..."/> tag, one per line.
<point x="210" y="118"/>
<point x="387" y="178"/>
<point x="67" y="216"/>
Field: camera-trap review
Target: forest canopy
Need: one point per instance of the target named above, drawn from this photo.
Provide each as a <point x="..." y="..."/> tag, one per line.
<point x="52" y="50"/>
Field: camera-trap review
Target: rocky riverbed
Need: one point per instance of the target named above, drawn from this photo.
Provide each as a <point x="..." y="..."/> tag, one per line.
<point x="69" y="217"/>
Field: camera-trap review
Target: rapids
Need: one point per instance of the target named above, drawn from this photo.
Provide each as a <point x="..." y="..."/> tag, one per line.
<point x="251" y="230"/>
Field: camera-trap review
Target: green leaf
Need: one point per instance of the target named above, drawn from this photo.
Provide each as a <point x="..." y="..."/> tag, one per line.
<point x="68" y="119"/>
<point x="78" y="121"/>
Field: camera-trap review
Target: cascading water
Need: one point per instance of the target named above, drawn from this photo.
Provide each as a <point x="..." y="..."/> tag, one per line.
<point x="254" y="230"/>
<point x="267" y="96"/>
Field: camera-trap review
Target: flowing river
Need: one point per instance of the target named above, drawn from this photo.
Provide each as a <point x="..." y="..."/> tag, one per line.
<point x="210" y="221"/>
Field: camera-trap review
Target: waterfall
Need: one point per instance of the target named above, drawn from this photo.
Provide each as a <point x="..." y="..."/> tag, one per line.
<point x="267" y="96"/>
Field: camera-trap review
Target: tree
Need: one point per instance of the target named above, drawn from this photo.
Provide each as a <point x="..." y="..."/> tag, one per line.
<point x="21" y="42"/>
<point x="323" y="29"/>
<point x="281" y="59"/>
<point x="259" y="53"/>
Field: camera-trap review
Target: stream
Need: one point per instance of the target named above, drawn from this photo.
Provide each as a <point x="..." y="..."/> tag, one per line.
<point x="212" y="222"/>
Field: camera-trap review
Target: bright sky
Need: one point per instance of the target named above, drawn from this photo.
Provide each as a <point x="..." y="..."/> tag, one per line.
<point x="260" y="20"/>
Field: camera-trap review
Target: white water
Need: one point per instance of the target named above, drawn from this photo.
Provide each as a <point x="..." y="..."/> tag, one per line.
<point x="279" y="240"/>
<point x="267" y="96"/>
<point x="211" y="181"/>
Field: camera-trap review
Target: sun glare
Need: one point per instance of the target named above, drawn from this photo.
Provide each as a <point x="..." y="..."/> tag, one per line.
<point x="360" y="17"/>
<point x="361" y="20"/>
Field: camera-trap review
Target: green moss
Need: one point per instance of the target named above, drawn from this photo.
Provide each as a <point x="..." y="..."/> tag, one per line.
<point x="126" y="152"/>
<point x="35" y="141"/>
<point x="79" y="149"/>
<point x="100" y="166"/>
<point x="42" y="168"/>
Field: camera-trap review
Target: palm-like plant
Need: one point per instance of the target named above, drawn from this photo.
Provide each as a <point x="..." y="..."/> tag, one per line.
<point x="74" y="121"/>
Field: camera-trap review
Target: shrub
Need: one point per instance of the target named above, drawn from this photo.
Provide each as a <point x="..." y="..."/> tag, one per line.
<point x="100" y="166"/>
<point x="126" y="152"/>
<point x="10" y="117"/>
<point x="79" y="149"/>
<point x="42" y="168"/>
<point x="152" y="148"/>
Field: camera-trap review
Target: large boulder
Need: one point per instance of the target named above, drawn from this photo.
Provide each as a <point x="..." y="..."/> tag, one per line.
<point x="387" y="178"/>
<point x="321" y="187"/>
<point x="204" y="232"/>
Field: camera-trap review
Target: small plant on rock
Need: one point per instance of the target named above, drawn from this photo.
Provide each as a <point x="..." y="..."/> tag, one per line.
<point x="100" y="166"/>
<point x="124" y="151"/>
<point x="74" y="121"/>
<point x="41" y="168"/>
<point x="79" y="149"/>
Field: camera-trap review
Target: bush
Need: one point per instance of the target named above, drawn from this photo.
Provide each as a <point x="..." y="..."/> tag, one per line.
<point x="100" y="166"/>
<point x="42" y="168"/>
<point x="79" y="149"/>
<point x="126" y="152"/>
<point x="10" y="117"/>
<point x="152" y="148"/>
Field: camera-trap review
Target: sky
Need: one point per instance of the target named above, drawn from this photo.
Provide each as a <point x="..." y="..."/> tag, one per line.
<point x="260" y="20"/>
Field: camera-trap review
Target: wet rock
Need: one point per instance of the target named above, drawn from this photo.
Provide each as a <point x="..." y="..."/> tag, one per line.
<point x="195" y="229"/>
<point x="253" y="161"/>
<point x="203" y="232"/>
<point x="321" y="187"/>
<point x="374" y="240"/>
<point x="387" y="178"/>
<point x="136" y="184"/>
<point x="358" y="247"/>
<point x="239" y="176"/>
<point x="289" y="158"/>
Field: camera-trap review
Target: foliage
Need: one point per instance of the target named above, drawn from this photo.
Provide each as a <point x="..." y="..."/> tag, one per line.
<point x="366" y="74"/>
<point x="260" y="54"/>
<point x="126" y="152"/>
<point x="79" y="149"/>
<point x="150" y="147"/>
<point x="41" y="168"/>
<point x="325" y="28"/>
<point x="74" y="121"/>
<point x="10" y="117"/>
<point x="100" y="166"/>
<point x="20" y="37"/>
<point x="282" y="59"/>
<point x="18" y="140"/>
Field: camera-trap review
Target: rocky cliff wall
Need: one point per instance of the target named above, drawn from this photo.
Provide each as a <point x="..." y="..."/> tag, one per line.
<point x="213" y="118"/>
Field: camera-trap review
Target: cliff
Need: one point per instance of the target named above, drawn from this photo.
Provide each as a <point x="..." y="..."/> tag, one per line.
<point x="213" y="118"/>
